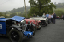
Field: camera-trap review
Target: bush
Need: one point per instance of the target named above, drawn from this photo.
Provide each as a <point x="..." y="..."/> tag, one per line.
<point x="59" y="12"/>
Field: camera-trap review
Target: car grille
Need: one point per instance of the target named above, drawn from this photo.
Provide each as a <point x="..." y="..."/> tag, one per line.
<point x="43" y="22"/>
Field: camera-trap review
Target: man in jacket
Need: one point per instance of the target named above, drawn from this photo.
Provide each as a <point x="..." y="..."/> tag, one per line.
<point x="54" y="17"/>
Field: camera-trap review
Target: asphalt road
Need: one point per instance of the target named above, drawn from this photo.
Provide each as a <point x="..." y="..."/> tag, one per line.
<point x="51" y="33"/>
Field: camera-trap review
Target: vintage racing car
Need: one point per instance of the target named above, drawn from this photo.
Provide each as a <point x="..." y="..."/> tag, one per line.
<point x="44" y="21"/>
<point x="9" y="27"/>
<point x="27" y="29"/>
<point x="35" y="23"/>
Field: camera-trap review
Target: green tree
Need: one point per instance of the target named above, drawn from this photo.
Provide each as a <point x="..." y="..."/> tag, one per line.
<point x="1" y="14"/>
<point x="41" y="6"/>
<point x="59" y="12"/>
<point x="13" y="14"/>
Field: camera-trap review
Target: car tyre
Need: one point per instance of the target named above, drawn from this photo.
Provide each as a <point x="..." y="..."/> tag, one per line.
<point x="34" y="32"/>
<point x="15" y="35"/>
<point x="39" y="27"/>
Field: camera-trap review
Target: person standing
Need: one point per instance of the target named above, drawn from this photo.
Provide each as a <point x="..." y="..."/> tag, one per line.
<point x="63" y="17"/>
<point x="49" y="18"/>
<point x="54" y="17"/>
<point x="43" y="15"/>
<point x="34" y="15"/>
<point x="47" y="15"/>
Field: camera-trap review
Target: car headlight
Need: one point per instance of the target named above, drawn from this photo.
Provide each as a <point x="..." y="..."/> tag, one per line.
<point x="23" y="21"/>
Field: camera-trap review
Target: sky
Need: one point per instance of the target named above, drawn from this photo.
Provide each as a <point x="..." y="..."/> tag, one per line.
<point x="8" y="5"/>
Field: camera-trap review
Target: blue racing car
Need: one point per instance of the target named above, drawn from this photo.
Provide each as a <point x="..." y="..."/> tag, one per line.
<point x="16" y="28"/>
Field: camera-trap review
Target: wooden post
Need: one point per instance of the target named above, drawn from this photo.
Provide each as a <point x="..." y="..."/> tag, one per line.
<point x="25" y="8"/>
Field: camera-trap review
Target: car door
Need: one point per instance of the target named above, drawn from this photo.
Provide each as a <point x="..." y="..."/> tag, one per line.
<point x="2" y="27"/>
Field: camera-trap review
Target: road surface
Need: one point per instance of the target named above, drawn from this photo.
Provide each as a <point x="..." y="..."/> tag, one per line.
<point x="51" y="33"/>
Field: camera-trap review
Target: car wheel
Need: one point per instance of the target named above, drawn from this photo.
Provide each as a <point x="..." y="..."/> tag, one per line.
<point x="48" y="22"/>
<point x="34" y="32"/>
<point x="45" y="25"/>
<point x="15" y="35"/>
<point x="39" y="27"/>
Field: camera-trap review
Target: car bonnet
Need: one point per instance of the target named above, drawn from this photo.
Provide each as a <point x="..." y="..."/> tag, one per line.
<point x="18" y="18"/>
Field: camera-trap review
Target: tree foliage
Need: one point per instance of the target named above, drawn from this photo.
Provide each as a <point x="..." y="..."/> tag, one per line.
<point x="22" y="9"/>
<point x="13" y="14"/>
<point x="1" y="14"/>
<point x="59" y="12"/>
<point x="41" y="6"/>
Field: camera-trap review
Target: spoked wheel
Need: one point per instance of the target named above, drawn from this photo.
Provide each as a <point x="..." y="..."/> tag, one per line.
<point x="46" y="23"/>
<point x="15" y="36"/>
<point x="34" y="32"/>
<point x="39" y="27"/>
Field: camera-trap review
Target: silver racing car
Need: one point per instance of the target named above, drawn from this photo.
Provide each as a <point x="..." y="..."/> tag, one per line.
<point x="44" y="20"/>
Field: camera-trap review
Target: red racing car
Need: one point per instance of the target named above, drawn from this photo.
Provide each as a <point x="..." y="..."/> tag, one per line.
<point x="35" y="23"/>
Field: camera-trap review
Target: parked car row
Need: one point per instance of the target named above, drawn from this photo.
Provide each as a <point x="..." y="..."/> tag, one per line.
<point x="17" y="27"/>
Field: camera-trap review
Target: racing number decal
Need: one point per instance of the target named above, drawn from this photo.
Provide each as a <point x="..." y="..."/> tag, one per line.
<point x="0" y="26"/>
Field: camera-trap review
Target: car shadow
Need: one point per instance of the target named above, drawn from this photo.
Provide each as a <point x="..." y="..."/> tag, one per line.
<point x="4" y="39"/>
<point x="26" y="39"/>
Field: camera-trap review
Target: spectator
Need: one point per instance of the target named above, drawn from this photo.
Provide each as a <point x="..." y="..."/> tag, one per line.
<point x="43" y="15"/>
<point x="49" y="18"/>
<point x="47" y="15"/>
<point x="34" y="15"/>
<point x="63" y="17"/>
<point x="54" y="17"/>
<point x="37" y="15"/>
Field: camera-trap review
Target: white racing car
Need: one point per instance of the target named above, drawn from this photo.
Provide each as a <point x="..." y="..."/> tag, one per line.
<point x="44" y="21"/>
